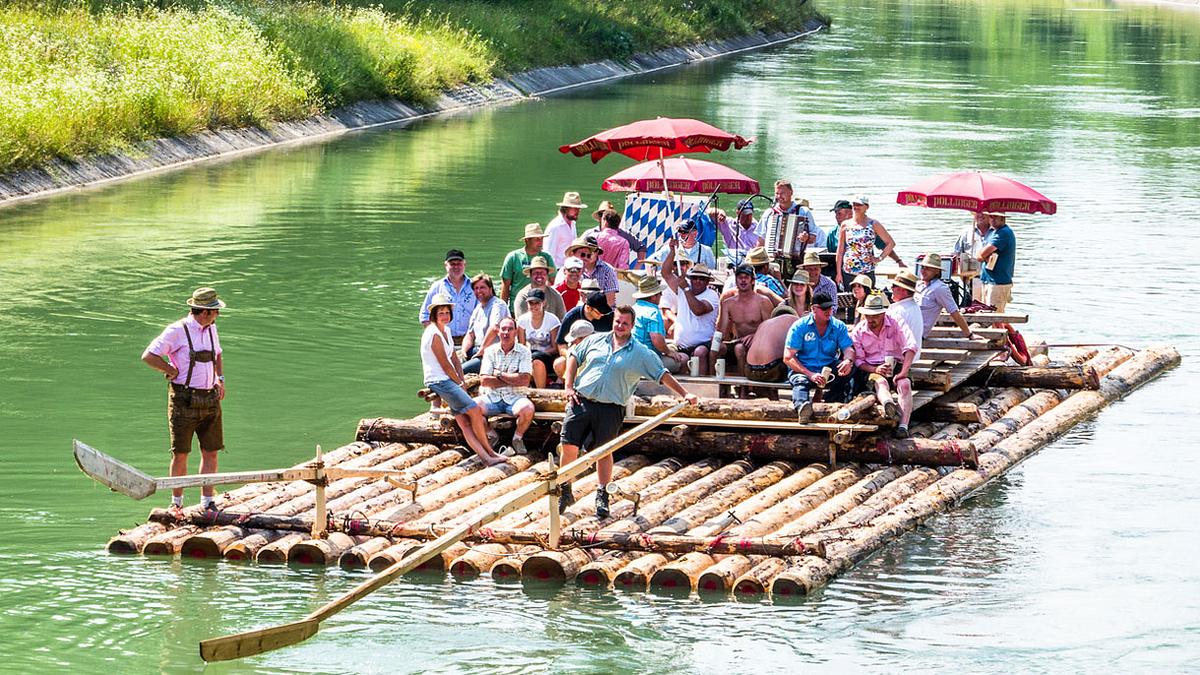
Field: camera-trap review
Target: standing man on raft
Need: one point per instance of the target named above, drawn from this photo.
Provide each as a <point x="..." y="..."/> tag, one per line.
<point x="188" y="353"/>
<point x="602" y="372"/>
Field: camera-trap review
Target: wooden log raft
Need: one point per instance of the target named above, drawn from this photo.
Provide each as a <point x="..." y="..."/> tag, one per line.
<point x="807" y="573"/>
<point x="798" y="447"/>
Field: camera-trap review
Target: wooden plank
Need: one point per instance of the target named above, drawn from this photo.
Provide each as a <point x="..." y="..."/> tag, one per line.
<point x="952" y="332"/>
<point x="944" y="354"/>
<point x="960" y="343"/>
<point x="733" y="424"/>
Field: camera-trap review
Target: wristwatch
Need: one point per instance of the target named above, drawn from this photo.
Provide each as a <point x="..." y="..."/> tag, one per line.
<point x="220" y="378"/>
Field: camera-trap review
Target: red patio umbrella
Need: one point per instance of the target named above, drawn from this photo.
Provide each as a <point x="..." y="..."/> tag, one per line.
<point x="976" y="191"/>
<point x="655" y="139"/>
<point x="682" y="175"/>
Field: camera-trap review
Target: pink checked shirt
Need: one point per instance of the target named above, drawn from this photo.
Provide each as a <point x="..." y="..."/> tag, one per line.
<point x="172" y="343"/>
<point x="893" y="340"/>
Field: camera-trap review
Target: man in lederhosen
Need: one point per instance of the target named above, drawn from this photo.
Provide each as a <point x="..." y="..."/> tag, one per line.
<point x="188" y="353"/>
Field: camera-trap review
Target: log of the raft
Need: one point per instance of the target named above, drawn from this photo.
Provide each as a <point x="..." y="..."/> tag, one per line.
<point x="952" y="411"/>
<point x="1037" y="377"/>
<point x="809" y="572"/>
<point x="212" y="544"/>
<point x="603" y="570"/>
<point x="754" y="581"/>
<point x="720" y="576"/>
<point x="356" y="556"/>
<point x="130" y="542"/>
<point x="683" y="573"/>
<point x="276" y="552"/>
<point x="321" y="551"/>
<point x="247" y="548"/>
<point x="168" y="542"/>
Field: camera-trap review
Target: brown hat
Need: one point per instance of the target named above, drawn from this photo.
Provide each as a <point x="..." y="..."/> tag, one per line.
<point x="205" y="298"/>
<point x="584" y="242"/>
<point x="539" y="263"/>
<point x="931" y="260"/>
<point x="802" y="277"/>
<point x="533" y="231"/>
<point x="874" y="304"/>
<point x="572" y="200"/>
<point x="604" y="206"/>
<point x="906" y="280"/>
<point x="812" y="258"/>
<point x="757" y="256"/>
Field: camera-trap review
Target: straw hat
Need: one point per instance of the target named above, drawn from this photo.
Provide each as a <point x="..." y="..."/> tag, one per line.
<point x="875" y="304"/>
<point x="584" y="242"/>
<point x="906" y="280"/>
<point x="1002" y="214"/>
<point x="700" y="270"/>
<point x="931" y="260"/>
<point x="440" y="300"/>
<point x="864" y="281"/>
<point x="802" y="277"/>
<point x="572" y="200"/>
<point x="539" y="263"/>
<point x="589" y="285"/>
<point x="757" y="256"/>
<point x="813" y="258"/>
<point x="205" y="298"/>
<point x="649" y="286"/>
<point x="533" y="231"/>
<point x="604" y="206"/>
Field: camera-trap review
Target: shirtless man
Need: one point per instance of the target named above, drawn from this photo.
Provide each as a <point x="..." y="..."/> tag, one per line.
<point x="764" y="359"/>
<point x="740" y="316"/>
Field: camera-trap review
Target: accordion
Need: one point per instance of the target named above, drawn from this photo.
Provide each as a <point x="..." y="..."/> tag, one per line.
<point x="783" y="234"/>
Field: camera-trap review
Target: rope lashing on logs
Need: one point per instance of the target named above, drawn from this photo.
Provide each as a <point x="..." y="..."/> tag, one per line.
<point x="952" y="443"/>
<point x="883" y="447"/>
<point x="716" y="541"/>
<point x="798" y="546"/>
<point x="733" y="516"/>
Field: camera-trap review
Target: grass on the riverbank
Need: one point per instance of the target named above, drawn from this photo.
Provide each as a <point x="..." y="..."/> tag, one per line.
<point x="85" y="76"/>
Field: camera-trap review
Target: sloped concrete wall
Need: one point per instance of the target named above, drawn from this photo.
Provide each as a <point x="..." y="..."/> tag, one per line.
<point x="163" y="154"/>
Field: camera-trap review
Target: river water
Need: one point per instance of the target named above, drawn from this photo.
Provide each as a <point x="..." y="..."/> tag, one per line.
<point x="1083" y="558"/>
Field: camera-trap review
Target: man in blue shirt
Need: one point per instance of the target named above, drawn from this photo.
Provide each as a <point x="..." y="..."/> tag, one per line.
<point x="817" y="342"/>
<point x="997" y="272"/>
<point x="648" y="326"/>
<point x="602" y="372"/>
<point x="456" y="285"/>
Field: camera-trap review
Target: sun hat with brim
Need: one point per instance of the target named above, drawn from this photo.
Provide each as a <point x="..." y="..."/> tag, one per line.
<point x="864" y="281"/>
<point x="604" y="206"/>
<point x="700" y="270"/>
<point x="1002" y="214"/>
<point x="931" y="260"/>
<point x="589" y="285"/>
<point x="580" y="330"/>
<point x="801" y="277"/>
<point x="533" y="231"/>
<point x="757" y="256"/>
<point x="440" y="300"/>
<point x="584" y="242"/>
<point x="205" y="298"/>
<point x="539" y="263"/>
<point x="782" y="309"/>
<point x="906" y="280"/>
<point x="571" y="200"/>
<point x="861" y="199"/>
<point x="875" y="304"/>
<point x="812" y="258"/>
<point x="649" y="287"/>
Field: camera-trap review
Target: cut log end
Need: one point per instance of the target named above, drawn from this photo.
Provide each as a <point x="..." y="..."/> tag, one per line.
<point x="786" y="587"/>
<point x="671" y="579"/>
<point x="749" y="587"/>
<point x="200" y="548"/>
<point x="631" y="580"/>
<point x="120" y="546"/>
<point x="507" y="570"/>
<point x="543" y="568"/>
<point x="590" y="578"/>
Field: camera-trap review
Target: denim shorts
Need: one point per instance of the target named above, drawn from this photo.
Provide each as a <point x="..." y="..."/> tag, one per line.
<point x="493" y="408"/>
<point x="455" y="397"/>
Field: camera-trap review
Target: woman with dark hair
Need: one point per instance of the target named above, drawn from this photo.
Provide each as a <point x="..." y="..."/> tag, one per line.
<point x="538" y="329"/>
<point x="444" y="376"/>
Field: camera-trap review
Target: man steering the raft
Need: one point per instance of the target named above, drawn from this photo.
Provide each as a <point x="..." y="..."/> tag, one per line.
<point x="188" y="353"/>
<point x="602" y="372"/>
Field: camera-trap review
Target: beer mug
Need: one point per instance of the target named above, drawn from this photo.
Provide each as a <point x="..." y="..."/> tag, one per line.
<point x="694" y="366"/>
<point x="720" y="368"/>
<point x="890" y="362"/>
<point x="716" y="341"/>
<point x="827" y="373"/>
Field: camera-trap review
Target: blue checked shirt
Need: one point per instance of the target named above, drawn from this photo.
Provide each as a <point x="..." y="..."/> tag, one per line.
<point x="464" y="303"/>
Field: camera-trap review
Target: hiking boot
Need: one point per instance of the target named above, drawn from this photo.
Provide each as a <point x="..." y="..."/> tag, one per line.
<point x="805" y="412"/>
<point x="602" y="511"/>
<point x="518" y="444"/>
<point x="901" y="432"/>
<point x="565" y="498"/>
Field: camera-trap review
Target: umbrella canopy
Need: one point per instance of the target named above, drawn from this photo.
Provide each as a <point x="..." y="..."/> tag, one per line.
<point x="655" y="139"/>
<point x="682" y="175"/>
<point x="976" y="191"/>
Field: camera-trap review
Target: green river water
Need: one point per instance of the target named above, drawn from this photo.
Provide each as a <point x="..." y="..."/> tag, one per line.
<point x="1082" y="559"/>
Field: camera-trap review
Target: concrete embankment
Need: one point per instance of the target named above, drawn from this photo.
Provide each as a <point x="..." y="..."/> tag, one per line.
<point x="163" y="154"/>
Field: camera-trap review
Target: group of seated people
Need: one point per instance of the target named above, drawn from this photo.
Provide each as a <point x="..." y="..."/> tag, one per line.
<point x="559" y="287"/>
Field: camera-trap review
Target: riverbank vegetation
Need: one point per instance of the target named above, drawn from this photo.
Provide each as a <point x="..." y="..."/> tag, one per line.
<point x="79" y="77"/>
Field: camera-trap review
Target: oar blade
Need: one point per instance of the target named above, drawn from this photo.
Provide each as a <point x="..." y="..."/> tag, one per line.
<point x="113" y="473"/>
<point x="253" y="642"/>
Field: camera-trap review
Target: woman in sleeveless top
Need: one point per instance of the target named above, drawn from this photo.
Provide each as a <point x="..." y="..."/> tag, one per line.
<point x="538" y="329"/>
<point x="856" y="245"/>
<point x="444" y="376"/>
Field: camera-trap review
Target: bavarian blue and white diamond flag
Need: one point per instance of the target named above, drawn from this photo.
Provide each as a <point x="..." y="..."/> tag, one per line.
<point x="652" y="218"/>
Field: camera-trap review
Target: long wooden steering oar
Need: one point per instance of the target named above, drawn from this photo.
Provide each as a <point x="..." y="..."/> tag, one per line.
<point x="267" y="639"/>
